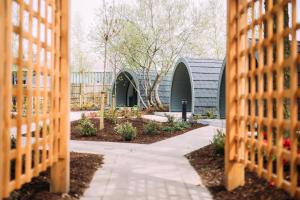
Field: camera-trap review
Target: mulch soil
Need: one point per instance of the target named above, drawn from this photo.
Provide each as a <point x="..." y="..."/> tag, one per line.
<point x="210" y="166"/>
<point x="109" y="134"/>
<point x="82" y="169"/>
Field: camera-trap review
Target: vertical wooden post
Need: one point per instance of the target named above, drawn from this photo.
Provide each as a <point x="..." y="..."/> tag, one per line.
<point x="94" y="102"/>
<point x="102" y="109"/>
<point x="294" y="108"/>
<point x="80" y="95"/>
<point x="60" y="170"/>
<point x="2" y="53"/>
<point x="113" y="102"/>
<point x="5" y="92"/>
<point x="234" y="171"/>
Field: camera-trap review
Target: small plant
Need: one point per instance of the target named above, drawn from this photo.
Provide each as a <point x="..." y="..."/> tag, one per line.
<point x="152" y="128"/>
<point x="180" y="126"/>
<point x="168" y="129"/>
<point x="126" y="131"/>
<point x="136" y="112"/>
<point x="171" y="119"/>
<point x="125" y="112"/>
<point x="111" y="115"/>
<point x="218" y="142"/>
<point x="210" y="114"/>
<point x="86" y="128"/>
<point x="184" y="125"/>
<point x="177" y="126"/>
<point x="89" y="106"/>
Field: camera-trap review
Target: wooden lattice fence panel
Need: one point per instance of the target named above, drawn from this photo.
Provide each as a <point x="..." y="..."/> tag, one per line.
<point x="262" y="97"/>
<point x="34" y="78"/>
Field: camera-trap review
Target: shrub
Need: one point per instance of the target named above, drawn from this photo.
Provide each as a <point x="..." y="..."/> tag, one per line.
<point x="168" y="129"/>
<point x="184" y="125"/>
<point x="180" y="126"/>
<point x="89" y="106"/>
<point x="125" y="112"/>
<point x="152" y="128"/>
<point x="193" y="119"/>
<point x="111" y="115"/>
<point x="136" y="112"/>
<point x="218" y="142"/>
<point x="171" y="119"/>
<point x="177" y="126"/>
<point x="126" y="131"/>
<point x="86" y="128"/>
<point x="210" y="114"/>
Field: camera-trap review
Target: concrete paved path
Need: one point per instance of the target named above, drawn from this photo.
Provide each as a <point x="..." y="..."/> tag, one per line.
<point x="221" y="123"/>
<point x="158" y="171"/>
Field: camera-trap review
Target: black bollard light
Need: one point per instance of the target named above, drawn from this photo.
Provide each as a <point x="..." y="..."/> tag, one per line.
<point x="184" y="103"/>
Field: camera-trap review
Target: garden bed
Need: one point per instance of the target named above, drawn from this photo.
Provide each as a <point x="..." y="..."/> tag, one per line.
<point x="109" y="134"/>
<point x="210" y="166"/>
<point x="82" y="169"/>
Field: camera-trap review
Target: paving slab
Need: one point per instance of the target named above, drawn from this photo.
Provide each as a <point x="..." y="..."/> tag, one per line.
<point x="147" y="171"/>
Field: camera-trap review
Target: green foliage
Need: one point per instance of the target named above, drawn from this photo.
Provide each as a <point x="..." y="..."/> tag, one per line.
<point x="136" y="112"/>
<point x="152" y="128"/>
<point x="210" y="114"/>
<point x="218" y="142"/>
<point x="126" y="131"/>
<point x="177" y="126"/>
<point x="168" y="129"/>
<point x="111" y="115"/>
<point x="89" y="106"/>
<point x="194" y="118"/>
<point x="86" y="128"/>
<point x="171" y="119"/>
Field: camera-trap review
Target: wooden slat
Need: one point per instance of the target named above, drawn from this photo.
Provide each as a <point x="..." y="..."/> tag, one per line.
<point x="60" y="170"/>
<point x="6" y="96"/>
<point x="231" y="167"/>
<point x="41" y="104"/>
<point x="294" y="105"/>
<point x="2" y="64"/>
<point x="270" y="44"/>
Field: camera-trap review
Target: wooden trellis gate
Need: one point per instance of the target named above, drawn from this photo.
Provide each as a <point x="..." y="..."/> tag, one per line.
<point x="262" y="98"/>
<point x="34" y="124"/>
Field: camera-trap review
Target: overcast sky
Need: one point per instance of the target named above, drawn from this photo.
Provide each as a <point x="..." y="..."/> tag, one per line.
<point x="86" y="9"/>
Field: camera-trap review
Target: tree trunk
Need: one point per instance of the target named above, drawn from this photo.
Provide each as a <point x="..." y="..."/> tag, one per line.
<point x="104" y="65"/>
<point x="157" y="98"/>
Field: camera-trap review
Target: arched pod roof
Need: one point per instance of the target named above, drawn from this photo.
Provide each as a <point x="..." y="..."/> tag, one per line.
<point x="124" y="79"/>
<point x="164" y="87"/>
<point x="221" y="100"/>
<point x="203" y="80"/>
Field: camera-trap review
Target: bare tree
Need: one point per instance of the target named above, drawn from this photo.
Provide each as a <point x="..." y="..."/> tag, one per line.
<point x="153" y="36"/>
<point x="80" y="61"/>
<point x="105" y="28"/>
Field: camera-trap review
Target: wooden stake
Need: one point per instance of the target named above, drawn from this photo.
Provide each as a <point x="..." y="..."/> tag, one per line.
<point x="113" y="104"/>
<point x="102" y="109"/>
